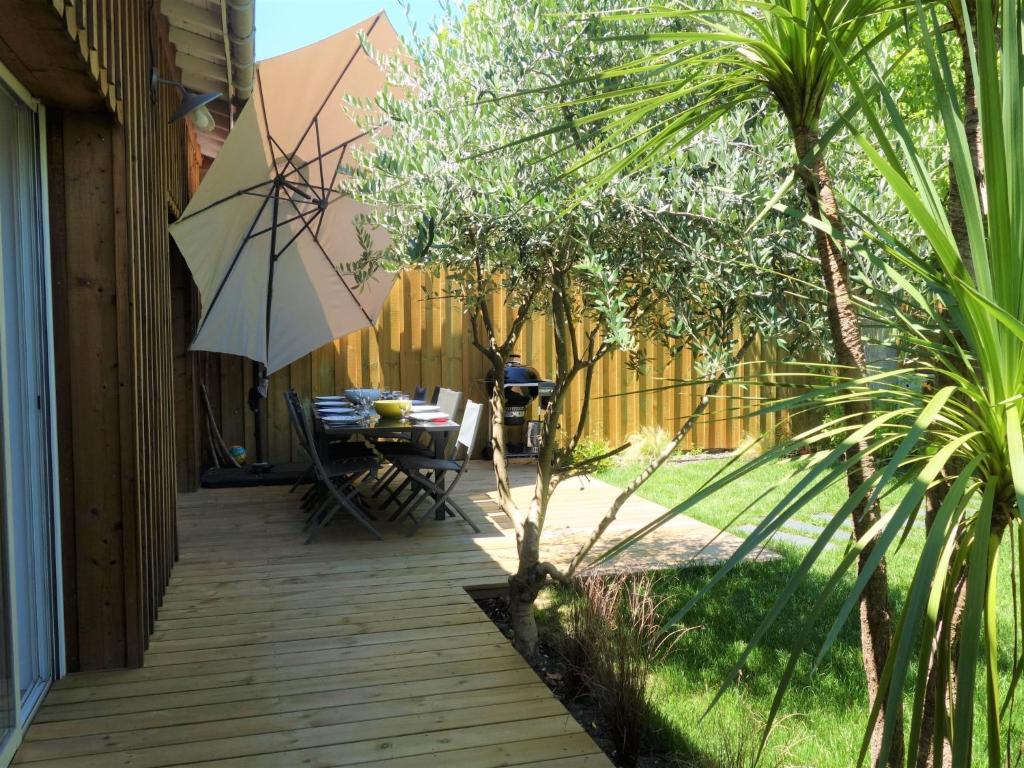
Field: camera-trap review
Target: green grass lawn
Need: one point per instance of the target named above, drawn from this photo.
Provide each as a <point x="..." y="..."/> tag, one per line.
<point x="825" y="710"/>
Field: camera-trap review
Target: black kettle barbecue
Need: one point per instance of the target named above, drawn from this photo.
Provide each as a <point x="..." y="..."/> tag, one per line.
<point x="523" y="385"/>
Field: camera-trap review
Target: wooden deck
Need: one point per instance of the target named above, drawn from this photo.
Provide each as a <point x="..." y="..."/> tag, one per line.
<point x="348" y="651"/>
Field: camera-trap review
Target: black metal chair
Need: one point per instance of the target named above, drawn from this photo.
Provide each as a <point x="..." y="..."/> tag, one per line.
<point x="428" y="474"/>
<point x="336" y="450"/>
<point x="336" y="480"/>
<point x="448" y="401"/>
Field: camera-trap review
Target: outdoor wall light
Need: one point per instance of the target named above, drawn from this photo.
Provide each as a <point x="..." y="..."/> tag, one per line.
<point x="193" y="104"/>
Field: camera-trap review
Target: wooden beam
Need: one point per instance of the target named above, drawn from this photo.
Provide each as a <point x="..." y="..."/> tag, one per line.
<point x="219" y="109"/>
<point x="196" y="45"/>
<point x="186" y="15"/>
<point x="203" y="67"/>
<point x="36" y="46"/>
<point x="201" y="84"/>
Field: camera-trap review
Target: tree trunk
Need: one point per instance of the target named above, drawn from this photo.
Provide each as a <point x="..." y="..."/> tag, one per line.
<point x="523" y="587"/>
<point x="525" y="584"/>
<point x="844" y="326"/>
<point x="498" y="449"/>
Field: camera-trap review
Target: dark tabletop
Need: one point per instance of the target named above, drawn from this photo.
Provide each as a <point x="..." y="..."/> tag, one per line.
<point x="383" y="426"/>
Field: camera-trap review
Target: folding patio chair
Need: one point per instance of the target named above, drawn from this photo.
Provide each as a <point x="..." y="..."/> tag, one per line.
<point x="343" y="450"/>
<point x="448" y="401"/>
<point x="336" y="480"/>
<point x="428" y="474"/>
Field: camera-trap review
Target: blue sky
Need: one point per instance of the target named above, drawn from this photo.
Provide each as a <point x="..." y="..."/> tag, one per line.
<point x="284" y="25"/>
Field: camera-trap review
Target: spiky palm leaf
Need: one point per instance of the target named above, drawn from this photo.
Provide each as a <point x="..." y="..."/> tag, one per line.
<point x="702" y="62"/>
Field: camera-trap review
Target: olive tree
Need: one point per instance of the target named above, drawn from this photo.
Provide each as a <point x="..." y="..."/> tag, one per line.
<point x="674" y="254"/>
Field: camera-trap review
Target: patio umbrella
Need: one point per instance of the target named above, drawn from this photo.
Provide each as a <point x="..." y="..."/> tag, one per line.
<point x="268" y="234"/>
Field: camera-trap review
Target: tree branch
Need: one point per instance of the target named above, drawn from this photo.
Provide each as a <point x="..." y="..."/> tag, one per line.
<point x="709" y="391"/>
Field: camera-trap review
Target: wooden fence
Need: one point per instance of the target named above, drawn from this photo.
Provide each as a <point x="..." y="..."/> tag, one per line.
<point x="421" y="340"/>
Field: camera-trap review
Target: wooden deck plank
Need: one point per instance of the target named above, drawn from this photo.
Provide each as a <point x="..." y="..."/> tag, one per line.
<point x="268" y="652"/>
<point x="358" y="654"/>
<point x="51" y="749"/>
<point x="413" y="729"/>
<point x="498" y="739"/>
<point x="132" y="686"/>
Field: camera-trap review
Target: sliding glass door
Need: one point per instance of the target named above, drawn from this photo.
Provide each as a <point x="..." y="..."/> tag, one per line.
<point x="28" y="605"/>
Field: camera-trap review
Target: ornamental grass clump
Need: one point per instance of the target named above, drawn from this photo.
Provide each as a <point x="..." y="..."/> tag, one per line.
<point x="614" y="639"/>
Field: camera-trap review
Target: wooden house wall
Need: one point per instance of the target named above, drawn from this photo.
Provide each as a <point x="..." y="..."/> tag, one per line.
<point x="117" y="173"/>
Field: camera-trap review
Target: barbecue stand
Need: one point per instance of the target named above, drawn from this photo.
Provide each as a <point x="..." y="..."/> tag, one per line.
<point x="523" y="387"/>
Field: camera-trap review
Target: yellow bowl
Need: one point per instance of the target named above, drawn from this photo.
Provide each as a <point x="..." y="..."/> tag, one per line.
<point x="392" y="409"/>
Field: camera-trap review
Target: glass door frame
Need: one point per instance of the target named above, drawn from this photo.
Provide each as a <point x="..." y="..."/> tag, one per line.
<point x="24" y="711"/>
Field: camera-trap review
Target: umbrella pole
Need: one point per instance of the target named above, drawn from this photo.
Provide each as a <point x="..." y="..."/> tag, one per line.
<point x="256" y="394"/>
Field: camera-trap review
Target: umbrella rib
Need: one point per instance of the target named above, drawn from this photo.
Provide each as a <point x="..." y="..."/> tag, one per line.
<point x="231" y="268"/>
<point x="342" y="279"/>
<point x="334" y="178"/>
<point x="319" y="152"/>
<point x="331" y="151"/>
<point x="337" y="82"/>
<point x="327" y="258"/>
<point x="305" y="223"/>
<point x="266" y="121"/>
<point x="288" y="161"/>
<point x="279" y="224"/>
<point x="232" y="196"/>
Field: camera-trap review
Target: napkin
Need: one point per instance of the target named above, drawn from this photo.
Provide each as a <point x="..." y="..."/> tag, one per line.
<point x="429" y="415"/>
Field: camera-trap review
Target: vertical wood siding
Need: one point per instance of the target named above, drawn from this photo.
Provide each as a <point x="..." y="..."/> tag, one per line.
<point x="420" y="340"/>
<point x="116" y="180"/>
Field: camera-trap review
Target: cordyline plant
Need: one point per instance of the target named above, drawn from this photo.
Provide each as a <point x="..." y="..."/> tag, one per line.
<point x="708" y="61"/>
<point x="964" y="326"/>
<point x="645" y="258"/>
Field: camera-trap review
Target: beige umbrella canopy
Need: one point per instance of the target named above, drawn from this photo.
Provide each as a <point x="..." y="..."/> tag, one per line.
<point x="268" y="235"/>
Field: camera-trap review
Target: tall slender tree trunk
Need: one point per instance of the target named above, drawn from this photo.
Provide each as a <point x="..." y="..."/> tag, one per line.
<point x="844" y="326"/>
<point x="927" y="754"/>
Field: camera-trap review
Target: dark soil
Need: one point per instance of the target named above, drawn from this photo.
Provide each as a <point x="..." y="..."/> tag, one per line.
<point x="566" y="683"/>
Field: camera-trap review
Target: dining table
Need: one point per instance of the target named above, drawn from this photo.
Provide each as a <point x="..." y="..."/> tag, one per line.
<point x="373" y="428"/>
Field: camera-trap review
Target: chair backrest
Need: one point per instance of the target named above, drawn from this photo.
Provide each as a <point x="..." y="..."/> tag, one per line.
<point x="308" y="441"/>
<point x="420" y="393"/>
<point x="291" y="400"/>
<point x="469" y="427"/>
<point x="302" y="426"/>
<point x="448" y="401"/>
<point x="434" y="395"/>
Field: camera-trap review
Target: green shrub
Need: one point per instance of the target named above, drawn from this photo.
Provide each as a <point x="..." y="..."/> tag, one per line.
<point x="588" y="449"/>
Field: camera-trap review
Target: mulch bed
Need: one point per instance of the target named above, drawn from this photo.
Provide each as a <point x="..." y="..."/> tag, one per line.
<point x="564" y="682"/>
